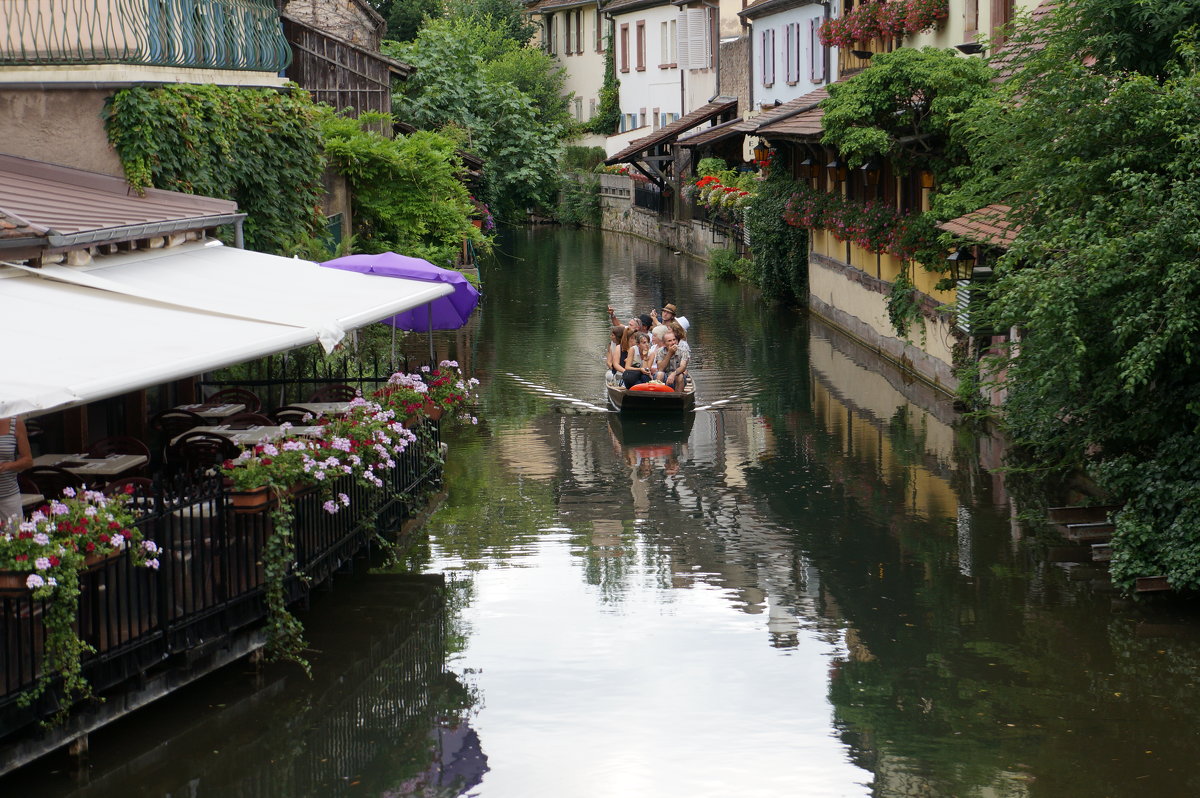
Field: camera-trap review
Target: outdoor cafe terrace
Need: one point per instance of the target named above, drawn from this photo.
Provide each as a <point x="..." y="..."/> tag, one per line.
<point x="124" y="316"/>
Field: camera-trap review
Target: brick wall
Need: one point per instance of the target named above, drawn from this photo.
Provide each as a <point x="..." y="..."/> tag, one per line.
<point x="735" y="71"/>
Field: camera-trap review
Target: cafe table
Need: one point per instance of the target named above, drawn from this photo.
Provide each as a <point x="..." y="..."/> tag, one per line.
<point x="214" y="411"/>
<point x="328" y="409"/>
<point x="111" y="467"/>
<point x="250" y="435"/>
<point x="31" y="500"/>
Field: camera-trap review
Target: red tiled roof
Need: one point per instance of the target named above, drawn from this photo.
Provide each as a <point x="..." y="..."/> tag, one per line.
<point x="668" y="132"/>
<point x="13" y="226"/>
<point x="988" y="225"/>
<point x="734" y="127"/>
<point x="1004" y="59"/>
<point x="800" y="117"/>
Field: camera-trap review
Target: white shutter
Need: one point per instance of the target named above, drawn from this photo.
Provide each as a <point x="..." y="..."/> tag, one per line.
<point x="681" y="39"/>
<point x="787" y="53"/>
<point x="698" y="44"/>
<point x="816" y="52"/>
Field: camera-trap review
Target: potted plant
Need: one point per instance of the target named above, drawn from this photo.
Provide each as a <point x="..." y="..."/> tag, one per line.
<point x="51" y="548"/>
<point x="449" y="390"/>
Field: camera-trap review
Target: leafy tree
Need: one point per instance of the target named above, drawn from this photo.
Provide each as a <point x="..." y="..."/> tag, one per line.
<point x="903" y="106"/>
<point x="456" y="86"/>
<point x="780" y="266"/>
<point x="1102" y="168"/>
<point x="407" y="191"/>
<point x="1129" y="35"/>
<point x="405" y="17"/>
<point x="508" y="16"/>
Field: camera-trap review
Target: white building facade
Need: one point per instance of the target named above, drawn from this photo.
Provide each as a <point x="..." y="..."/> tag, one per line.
<point x="576" y="33"/>
<point x="787" y="58"/>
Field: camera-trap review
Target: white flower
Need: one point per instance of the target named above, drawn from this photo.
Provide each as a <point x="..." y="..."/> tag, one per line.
<point x="33" y="582"/>
<point x="41" y="563"/>
<point x="69" y="492"/>
<point x="152" y="564"/>
<point x="42" y="539"/>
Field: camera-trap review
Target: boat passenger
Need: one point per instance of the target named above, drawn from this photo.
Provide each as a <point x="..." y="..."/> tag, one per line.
<point x="637" y="369"/>
<point x="675" y="373"/>
<point x="615" y="359"/>
<point x="669" y="315"/>
<point x="658" y="351"/>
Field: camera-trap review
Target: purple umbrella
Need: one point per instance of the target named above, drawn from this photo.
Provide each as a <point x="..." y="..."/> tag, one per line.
<point x="444" y="313"/>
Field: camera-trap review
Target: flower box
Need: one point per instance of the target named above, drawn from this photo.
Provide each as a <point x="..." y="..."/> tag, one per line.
<point x="251" y="501"/>
<point x="94" y="562"/>
<point x="13" y="581"/>
<point x="431" y="411"/>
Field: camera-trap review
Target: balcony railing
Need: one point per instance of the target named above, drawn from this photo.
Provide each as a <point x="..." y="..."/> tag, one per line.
<point x="210" y="586"/>
<point x="203" y="34"/>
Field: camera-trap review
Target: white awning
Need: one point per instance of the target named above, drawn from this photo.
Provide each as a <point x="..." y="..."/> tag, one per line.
<point x="78" y="334"/>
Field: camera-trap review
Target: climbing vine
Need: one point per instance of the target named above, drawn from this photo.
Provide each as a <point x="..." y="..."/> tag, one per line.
<point x="608" y="110"/>
<point x="257" y="147"/>
<point x="780" y="250"/>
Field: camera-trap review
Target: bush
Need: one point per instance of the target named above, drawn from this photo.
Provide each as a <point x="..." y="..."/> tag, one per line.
<point x="724" y="264"/>
<point x="780" y="250"/>
<point x="579" y="200"/>
<point x="582" y="159"/>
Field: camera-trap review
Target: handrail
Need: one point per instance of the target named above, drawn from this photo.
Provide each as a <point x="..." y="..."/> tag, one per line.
<point x="204" y="34"/>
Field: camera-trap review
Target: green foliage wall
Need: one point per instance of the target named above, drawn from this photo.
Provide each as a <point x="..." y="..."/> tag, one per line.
<point x="407" y="194"/>
<point x="780" y="250"/>
<point x="256" y="146"/>
<point x="579" y="203"/>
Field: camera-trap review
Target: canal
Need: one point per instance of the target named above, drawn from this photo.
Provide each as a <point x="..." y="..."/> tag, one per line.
<point x="814" y="586"/>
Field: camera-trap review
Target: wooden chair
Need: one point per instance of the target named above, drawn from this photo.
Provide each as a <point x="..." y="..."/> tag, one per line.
<point x="243" y="396"/>
<point x="170" y="423"/>
<point x="333" y="393"/>
<point x="291" y="414"/>
<point x="248" y="419"/>
<point x="195" y="451"/>
<point x="118" y="444"/>
<point x="51" y="480"/>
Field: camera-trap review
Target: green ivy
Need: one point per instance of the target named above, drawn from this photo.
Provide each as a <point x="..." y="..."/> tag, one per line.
<point x="258" y="147"/>
<point x="608" y="109"/>
<point x="725" y="264"/>
<point x="903" y="305"/>
<point x="780" y="250"/>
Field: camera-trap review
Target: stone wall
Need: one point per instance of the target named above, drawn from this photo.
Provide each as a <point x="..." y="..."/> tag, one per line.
<point x="735" y="72"/>
<point x="352" y="20"/>
<point x="619" y="214"/>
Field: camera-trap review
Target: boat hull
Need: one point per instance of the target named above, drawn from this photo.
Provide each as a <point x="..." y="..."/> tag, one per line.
<point x="651" y="401"/>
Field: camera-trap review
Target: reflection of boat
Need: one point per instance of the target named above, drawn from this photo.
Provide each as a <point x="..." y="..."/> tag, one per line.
<point x="626" y="400"/>
<point x="654" y="431"/>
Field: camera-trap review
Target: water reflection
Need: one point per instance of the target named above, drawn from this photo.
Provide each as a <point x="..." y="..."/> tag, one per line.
<point x="382" y="716"/>
<point x="821" y="543"/>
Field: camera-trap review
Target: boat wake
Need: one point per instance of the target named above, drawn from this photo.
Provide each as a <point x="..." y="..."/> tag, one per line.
<point x="570" y="403"/>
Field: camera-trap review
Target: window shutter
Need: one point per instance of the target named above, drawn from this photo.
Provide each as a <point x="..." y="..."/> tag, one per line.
<point x="816" y="52"/>
<point x="698" y="45"/>
<point x="787" y="52"/>
<point x="682" y="47"/>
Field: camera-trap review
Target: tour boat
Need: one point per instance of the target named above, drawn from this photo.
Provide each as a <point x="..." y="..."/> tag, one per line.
<point x="627" y="400"/>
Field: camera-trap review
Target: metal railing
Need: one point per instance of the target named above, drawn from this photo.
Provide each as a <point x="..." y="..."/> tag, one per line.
<point x="648" y="196"/>
<point x="205" y="34"/>
<point x="210" y="583"/>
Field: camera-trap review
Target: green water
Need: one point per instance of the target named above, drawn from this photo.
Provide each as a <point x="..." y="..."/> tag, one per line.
<point x="814" y="586"/>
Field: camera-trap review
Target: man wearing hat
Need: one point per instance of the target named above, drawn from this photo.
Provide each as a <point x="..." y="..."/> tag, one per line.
<point x="669" y="314"/>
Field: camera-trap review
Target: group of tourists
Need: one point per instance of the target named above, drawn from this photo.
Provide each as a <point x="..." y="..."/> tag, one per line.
<point x="649" y="349"/>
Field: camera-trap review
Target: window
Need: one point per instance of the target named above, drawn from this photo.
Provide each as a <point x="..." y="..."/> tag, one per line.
<point x="567" y="48"/>
<point x="643" y="119"/>
<point x="625" y="47"/>
<point x="699" y="38"/>
<point x="656" y="119"/>
<point x="599" y="32"/>
<point x="1002" y="14"/>
<point x="579" y="109"/>
<point x="551" y="44"/>
<point x="667" y="34"/>
<point x="579" y="31"/>
<point x="641" y="46"/>
<point x="768" y="57"/>
<point x="591" y="108"/>
<point x="971" y="18"/>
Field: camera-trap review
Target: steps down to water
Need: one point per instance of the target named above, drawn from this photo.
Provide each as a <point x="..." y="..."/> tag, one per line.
<point x="1091" y="530"/>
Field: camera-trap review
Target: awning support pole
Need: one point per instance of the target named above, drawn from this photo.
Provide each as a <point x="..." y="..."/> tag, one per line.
<point x="429" y="308"/>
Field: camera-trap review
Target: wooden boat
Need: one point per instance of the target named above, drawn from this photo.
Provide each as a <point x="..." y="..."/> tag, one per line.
<point x="626" y="400"/>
